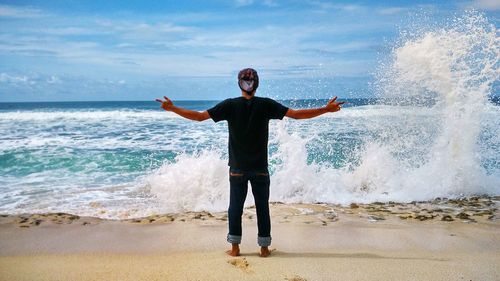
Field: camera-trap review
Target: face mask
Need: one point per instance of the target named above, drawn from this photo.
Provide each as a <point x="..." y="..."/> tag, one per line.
<point x="246" y="85"/>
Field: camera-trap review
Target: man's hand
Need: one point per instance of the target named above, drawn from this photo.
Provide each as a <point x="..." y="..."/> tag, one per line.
<point x="333" y="106"/>
<point x="166" y="104"/>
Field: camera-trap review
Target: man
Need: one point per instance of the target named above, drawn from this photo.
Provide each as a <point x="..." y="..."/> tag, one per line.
<point x="248" y="121"/>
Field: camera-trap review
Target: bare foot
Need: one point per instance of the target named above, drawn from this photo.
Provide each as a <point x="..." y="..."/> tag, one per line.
<point x="264" y="252"/>
<point x="235" y="250"/>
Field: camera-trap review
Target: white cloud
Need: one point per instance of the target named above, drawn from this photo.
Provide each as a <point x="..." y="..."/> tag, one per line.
<point x="114" y="82"/>
<point x="160" y="28"/>
<point x="391" y="10"/>
<point x="140" y="30"/>
<point x="19" y="12"/>
<point x="69" y="31"/>
<point x="270" y="3"/>
<point x="242" y="3"/>
<point x="53" y="80"/>
<point x="126" y="45"/>
<point x="349" y="7"/>
<point x="340" y="48"/>
<point x="325" y="5"/>
<point x="198" y="51"/>
<point x="170" y="45"/>
<point x="492" y="5"/>
<point x="6" y="78"/>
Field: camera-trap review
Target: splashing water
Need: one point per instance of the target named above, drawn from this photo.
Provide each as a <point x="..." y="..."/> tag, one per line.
<point x="454" y="67"/>
<point x="436" y="139"/>
<point x="192" y="183"/>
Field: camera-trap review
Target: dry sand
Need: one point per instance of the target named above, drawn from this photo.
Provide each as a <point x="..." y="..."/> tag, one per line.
<point x="421" y="241"/>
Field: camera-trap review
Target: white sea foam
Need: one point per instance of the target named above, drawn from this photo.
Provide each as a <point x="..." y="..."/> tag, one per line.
<point x="415" y="152"/>
<point x="97" y="115"/>
<point x="192" y="183"/>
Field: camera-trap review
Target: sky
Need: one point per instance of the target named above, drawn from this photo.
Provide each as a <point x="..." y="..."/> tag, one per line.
<point x="192" y="50"/>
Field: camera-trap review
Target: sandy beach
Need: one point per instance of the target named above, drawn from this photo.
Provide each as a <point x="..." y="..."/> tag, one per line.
<point x="449" y="240"/>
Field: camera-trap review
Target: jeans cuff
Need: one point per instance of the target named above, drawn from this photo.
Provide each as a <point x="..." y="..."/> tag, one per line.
<point x="264" y="241"/>
<point x="234" y="239"/>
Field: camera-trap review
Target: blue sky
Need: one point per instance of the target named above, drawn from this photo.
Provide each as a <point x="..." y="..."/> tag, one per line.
<point x="138" y="50"/>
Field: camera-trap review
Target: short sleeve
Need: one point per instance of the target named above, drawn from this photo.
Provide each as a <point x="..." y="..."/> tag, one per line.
<point x="276" y="110"/>
<point x="220" y="111"/>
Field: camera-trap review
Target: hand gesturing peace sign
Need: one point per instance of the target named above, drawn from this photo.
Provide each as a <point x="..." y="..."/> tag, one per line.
<point x="166" y="104"/>
<point x="333" y="106"/>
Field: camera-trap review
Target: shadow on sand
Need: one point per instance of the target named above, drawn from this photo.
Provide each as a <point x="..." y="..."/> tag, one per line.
<point x="281" y="254"/>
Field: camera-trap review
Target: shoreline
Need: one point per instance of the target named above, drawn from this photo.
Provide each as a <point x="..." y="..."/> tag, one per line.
<point x="466" y="209"/>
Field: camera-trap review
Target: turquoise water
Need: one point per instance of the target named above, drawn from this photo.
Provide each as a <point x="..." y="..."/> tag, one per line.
<point x="76" y="156"/>
<point x="111" y="138"/>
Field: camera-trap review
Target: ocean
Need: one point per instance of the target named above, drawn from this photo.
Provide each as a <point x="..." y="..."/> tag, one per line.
<point x="126" y="159"/>
<point x="431" y="130"/>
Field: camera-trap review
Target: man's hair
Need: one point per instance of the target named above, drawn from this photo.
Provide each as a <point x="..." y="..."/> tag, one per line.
<point x="249" y="74"/>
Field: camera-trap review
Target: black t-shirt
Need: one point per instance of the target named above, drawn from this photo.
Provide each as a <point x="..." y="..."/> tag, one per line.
<point x="248" y="122"/>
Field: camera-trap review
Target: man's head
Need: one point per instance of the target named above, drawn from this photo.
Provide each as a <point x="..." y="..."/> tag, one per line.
<point x="248" y="80"/>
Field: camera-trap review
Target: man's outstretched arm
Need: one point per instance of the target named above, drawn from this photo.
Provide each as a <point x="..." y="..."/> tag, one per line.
<point x="168" y="105"/>
<point x="331" y="106"/>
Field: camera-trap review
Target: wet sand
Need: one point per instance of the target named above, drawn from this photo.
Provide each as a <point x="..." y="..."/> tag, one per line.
<point x="439" y="240"/>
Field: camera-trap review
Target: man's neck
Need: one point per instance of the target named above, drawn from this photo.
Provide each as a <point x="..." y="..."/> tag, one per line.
<point x="247" y="96"/>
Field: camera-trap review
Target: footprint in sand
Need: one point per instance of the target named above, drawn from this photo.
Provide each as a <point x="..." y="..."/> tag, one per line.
<point x="295" y="278"/>
<point x="240" y="263"/>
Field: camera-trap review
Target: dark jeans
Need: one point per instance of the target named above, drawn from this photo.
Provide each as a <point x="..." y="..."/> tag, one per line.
<point x="238" y="180"/>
